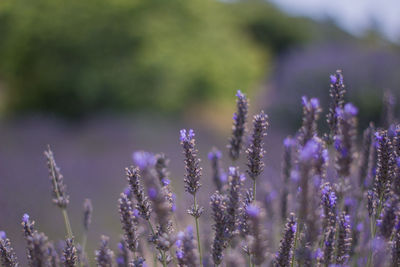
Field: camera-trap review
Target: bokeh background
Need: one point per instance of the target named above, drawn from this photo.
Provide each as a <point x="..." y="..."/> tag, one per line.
<point x="99" y="79"/>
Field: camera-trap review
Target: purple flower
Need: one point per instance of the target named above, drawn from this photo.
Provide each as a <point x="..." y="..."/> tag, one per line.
<point x="360" y="227"/>
<point x="294" y="227"/>
<point x="25" y="218"/>
<point x="143" y="159"/>
<point x="314" y="103"/>
<point x="252" y="210"/>
<point x="186" y="137"/>
<point x="398" y="162"/>
<point x="215" y="154"/>
<point x="3" y="235"/>
<point x="179" y="254"/>
<point x="350" y="109"/>
<point x="239" y="94"/>
<point x="152" y="193"/>
<point x="165" y="181"/>
<point x="333" y="79"/>
<point x="378" y="136"/>
<point x="309" y="150"/>
<point x="288" y="142"/>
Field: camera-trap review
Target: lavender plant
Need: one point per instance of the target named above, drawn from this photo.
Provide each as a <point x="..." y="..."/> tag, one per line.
<point x="347" y="208"/>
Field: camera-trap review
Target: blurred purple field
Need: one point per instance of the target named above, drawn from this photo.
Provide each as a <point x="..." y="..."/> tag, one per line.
<point x="92" y="156"/>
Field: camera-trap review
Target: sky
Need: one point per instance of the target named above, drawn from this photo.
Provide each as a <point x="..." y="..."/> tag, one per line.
<point x="353" y="15"/>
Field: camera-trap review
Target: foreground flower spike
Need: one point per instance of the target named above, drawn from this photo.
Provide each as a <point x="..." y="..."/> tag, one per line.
<point x="243" y="220"/>
<point x="215" y="158"/>
<point x="55" y="258"/>
<point x="186" y="252"/>
<point x="283" y="256"/>
<point x="161" y="166"/>
<point x="239" y="126"/>
<point x="143" y="205"/>
<point x="389" y="103"/>
<point x="345" y="138"/>
<point x="367" y="156"/>
<point x="60" y="197"/>
<point x="104" y="256"/>
<point x="7" y="254"/>
<point x="343" y="240"/>
<point x="288" y="144"/>
<point x="70" y="254"/>
<point x="192" y="162"/>
<point x="233" y="200"/>
<point x="192" y="179"/>
<point x="258" y="239"/>
<point x="128" y="223"/>
<point x="255" y="151"/>
<point x="37" y="246"/>
<point x="328" y="202"/>
<point x="28" y="225"/>
<point x="384" y="169"/>
<point x="124" y="254"/>
<point x="218" y="207"/>
<point x="388" y="218"/>
<point x="311" y="111"/>
<point x="336" y="92"/>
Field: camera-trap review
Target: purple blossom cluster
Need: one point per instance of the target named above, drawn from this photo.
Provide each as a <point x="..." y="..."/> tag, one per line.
<point x="337" y="201"/>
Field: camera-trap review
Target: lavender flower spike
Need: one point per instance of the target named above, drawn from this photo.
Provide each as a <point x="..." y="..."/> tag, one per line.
<point x="344" y="239"/>
<point x="7" y="254"/>
<point x="257" y="238"/>
<point x="104" y="256"/>
<point x="255" y="151"/>
<point x="218" y="207"/>
<point x="70" y="254"/>
<point x="128" y="222"/>
<point x="60" y="197"/>
<point x="215" y="157"/>
<point x="193" y="169"/>
<point x="283" y="257"/>
<point x="239" y="126"/>
<point x="143" y="205"/>
<point x="233" y="202"/>
<point x="336" y="92"/>
<point x="396" y="247"/>
<point x="345" y="138"/>
<point x="311" y="111"/>
<point x="186" y="252"/>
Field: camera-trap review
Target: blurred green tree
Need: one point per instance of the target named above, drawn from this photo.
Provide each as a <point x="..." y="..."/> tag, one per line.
<point x="77" y="57"/>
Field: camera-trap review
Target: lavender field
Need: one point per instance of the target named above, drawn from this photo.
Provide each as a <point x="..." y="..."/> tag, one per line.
<point x="169" y="193"/>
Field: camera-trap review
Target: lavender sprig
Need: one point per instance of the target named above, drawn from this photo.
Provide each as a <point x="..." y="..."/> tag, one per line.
<point x="257" y="239"/>
<point x="192" y="179"/>
<point x="218" y="207"/>
<point x="143" y="205"/>
<point x="233" y="202"/>
<point x="128" y="223"/>
<point x="255" y="151"/>
<point x="388" y="217"/>
<point x="70" y="258"/>
<point x="343" y="239"/>
<point x="283" y="256"/>
<point x="336" y="92"/>
<point x="7" y="254"/>
<point x="37" y="245"/>
<point x="345" y="138"/>
<point x="186" y="253"/>
<point x="239" y="126"/>
<point x="104" y="255"/>
<point x="287" y="164"/>
<point x="60" y="197"/>
<point x="215" y="158"/>
<point x="311" y="111"/>
<point x="367" y="156"/>
<point x="396" y="247"/>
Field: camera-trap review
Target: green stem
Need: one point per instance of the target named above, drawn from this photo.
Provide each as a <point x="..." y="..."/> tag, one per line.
<point x="67" y="223"/>
<point x="197" y="231"/>
<point x="254" y="189"/>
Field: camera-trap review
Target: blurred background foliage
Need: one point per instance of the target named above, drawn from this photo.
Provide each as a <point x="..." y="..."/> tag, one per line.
<point x="75" y="58"/>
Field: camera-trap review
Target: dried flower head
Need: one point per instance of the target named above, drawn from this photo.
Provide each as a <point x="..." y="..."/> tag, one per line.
<point x="344" y="239"/>
<point x="218" y="207"/>
<point x="311" y="111"/>
<point x="215" y="158"/>
<point x="186" y="252"/>
<point x="128" y="222"/>
<point x="283" y="256"/>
